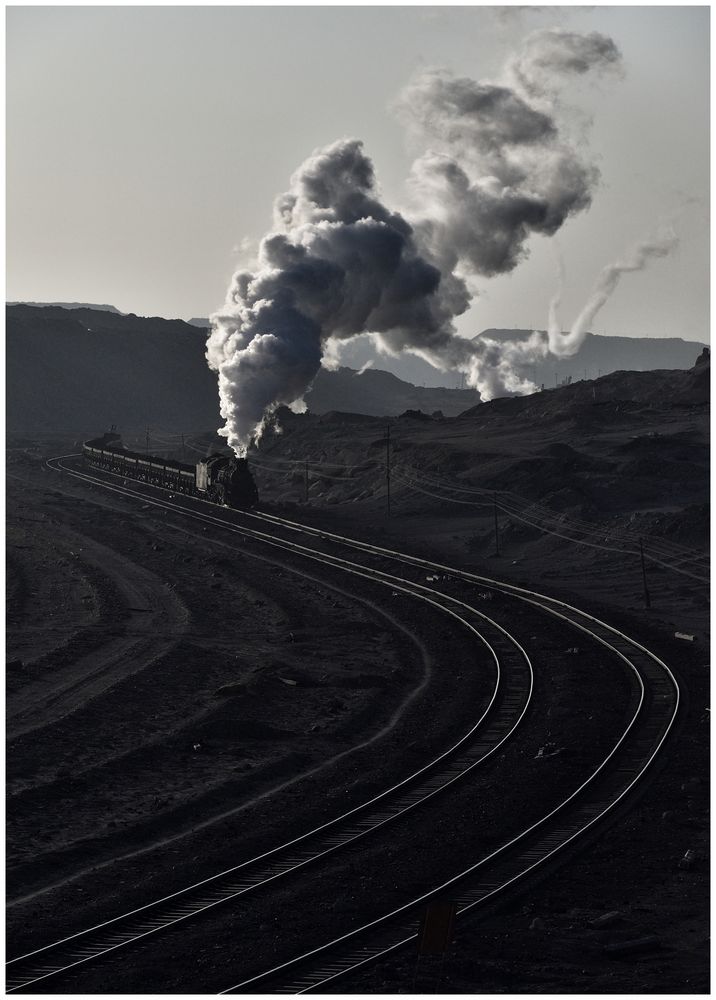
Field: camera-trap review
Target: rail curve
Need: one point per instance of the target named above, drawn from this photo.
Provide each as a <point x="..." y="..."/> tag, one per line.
<point x="599" y="795"/>
<point x="505" y="710"/>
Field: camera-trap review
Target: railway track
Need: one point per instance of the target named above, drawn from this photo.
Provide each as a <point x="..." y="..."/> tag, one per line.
<point x="660" y="551"/>
<point x="506" y="709"/>
<point x="535" y="847"/>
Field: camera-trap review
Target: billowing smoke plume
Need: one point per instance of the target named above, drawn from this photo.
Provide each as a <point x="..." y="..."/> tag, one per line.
<point x="567" y="344"/>
<point x="496" y="172"/>
<point x="338" y="263"/>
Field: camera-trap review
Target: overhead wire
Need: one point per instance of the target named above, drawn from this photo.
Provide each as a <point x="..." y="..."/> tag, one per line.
<point x="514" y="512"/>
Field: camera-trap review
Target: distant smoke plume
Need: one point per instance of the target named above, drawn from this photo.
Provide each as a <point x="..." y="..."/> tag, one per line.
<point x="567" y="344"/>
<point x="554" y="328"/>
<point x="338" y="263"/>
<point x="552" y="55"/>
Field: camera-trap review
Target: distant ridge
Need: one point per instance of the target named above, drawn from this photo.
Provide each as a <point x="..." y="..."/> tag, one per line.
<point x="77" y="369"/>
<point x="199" y="321"/>
<point x="68" y="305"/>
<point x="382" y="394"/>
<point x="82" y="369"/>
<point x="601" y="355"/>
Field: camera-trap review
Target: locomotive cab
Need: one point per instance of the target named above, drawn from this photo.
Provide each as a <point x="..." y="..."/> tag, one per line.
<point x="226" y="480"/>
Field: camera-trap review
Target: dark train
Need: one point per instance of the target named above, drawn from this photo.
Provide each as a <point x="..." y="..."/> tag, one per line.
<point x="221" y="479"/>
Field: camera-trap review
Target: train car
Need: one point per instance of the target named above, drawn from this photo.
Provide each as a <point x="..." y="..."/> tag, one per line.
<point x="222" y="479"/>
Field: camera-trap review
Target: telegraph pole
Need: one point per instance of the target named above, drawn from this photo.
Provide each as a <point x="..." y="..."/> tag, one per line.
<point x="647" y="599"/>
<point x="305" y="481"/>
<point x="497" y="538"/>
<point x="387" y="465"/>
<point x="182" y="447"/>
<point x="147" y="442"/>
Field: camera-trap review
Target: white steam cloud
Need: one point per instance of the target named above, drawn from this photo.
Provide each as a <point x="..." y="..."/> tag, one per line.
<point x="567" y="344"/>
<point x="494" y="168"/>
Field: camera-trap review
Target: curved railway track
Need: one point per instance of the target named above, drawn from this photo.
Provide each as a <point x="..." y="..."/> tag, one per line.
<point x="660" y="551"/>
<point x="524" y="855"/>
<point x="506" y="709"/>
<point x="534" y="848"/>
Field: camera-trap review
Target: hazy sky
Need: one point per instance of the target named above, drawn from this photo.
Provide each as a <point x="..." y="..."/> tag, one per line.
<point x="146" y="144"/>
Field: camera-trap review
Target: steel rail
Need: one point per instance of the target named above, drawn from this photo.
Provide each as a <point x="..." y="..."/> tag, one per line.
<point x="470" y="751"/>
<point x="550" y="847"/>
<point x="505" y="867"/>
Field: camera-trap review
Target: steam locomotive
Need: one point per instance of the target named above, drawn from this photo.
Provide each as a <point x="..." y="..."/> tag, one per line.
<point x="218" y="478"/>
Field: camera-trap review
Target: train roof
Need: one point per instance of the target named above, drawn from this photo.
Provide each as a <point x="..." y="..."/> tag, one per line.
<point x="116" y="445"/>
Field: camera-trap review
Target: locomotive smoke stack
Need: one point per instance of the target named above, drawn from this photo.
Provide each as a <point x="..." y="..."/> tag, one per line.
<point x="495" y="166"/>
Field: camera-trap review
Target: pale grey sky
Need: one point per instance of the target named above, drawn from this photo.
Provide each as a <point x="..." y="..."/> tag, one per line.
<point x="144" y="144"/>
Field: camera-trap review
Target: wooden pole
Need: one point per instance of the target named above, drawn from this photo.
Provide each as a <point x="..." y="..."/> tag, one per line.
<point x="387" y="465"/>
<point x="497" y="538"/>
<point x="647" y="598"/>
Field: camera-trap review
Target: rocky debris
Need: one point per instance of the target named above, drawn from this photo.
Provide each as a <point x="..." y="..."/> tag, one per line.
<point x="688" y="861"/>
<point x="623" y="948"/>
<point x="606" y="920"/>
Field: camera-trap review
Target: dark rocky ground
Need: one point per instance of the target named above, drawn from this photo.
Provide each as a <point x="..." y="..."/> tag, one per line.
<point x="132" y="642"/>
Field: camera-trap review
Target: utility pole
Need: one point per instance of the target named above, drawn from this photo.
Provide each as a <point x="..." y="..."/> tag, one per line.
<point x="387" y="465"/>
<point x="305" y="481"/>
<point x="147" y="442"/>
<point x="497" y="538"/>
<point x="647" y="599"/>
<point x="182" y="447"/>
